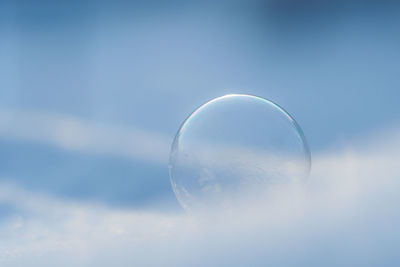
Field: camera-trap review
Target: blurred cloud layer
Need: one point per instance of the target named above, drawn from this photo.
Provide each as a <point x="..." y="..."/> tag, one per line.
<point x="93" y="92"/>
<point x="346" y="216"/>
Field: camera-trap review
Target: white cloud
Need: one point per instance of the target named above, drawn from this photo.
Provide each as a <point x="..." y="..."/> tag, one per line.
<point x="70" y="133"/>
<point x="347" y="215"/>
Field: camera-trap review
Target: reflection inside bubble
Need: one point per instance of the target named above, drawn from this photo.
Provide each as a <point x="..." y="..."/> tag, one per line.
<point x="235" y="148"/>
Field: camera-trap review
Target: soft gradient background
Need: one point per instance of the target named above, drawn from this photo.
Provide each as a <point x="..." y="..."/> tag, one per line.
<point x="92" y="93"/>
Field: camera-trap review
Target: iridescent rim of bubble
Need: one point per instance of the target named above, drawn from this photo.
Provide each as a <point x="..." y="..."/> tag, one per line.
<point x="187" y="121"/>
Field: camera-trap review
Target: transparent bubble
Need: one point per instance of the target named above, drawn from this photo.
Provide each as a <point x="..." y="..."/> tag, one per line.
<point x="233" y="147"/>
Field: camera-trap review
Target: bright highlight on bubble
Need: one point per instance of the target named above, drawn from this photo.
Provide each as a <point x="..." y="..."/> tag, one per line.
<point x="233" y="148"/>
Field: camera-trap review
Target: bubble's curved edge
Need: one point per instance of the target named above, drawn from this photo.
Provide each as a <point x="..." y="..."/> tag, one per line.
<point x="295" y="124"/>
<point x="200" y="108"/>
<point x="176" y="140"/>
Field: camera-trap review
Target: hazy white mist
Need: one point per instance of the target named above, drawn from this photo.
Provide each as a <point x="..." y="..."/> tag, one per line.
<point x="346" y="215"/>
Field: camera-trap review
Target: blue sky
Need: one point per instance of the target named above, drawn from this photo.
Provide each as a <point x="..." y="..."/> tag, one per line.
<point x="93" y="92"/>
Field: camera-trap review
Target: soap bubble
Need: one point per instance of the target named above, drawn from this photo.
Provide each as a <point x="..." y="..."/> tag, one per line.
<point x="233" y="147"/>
